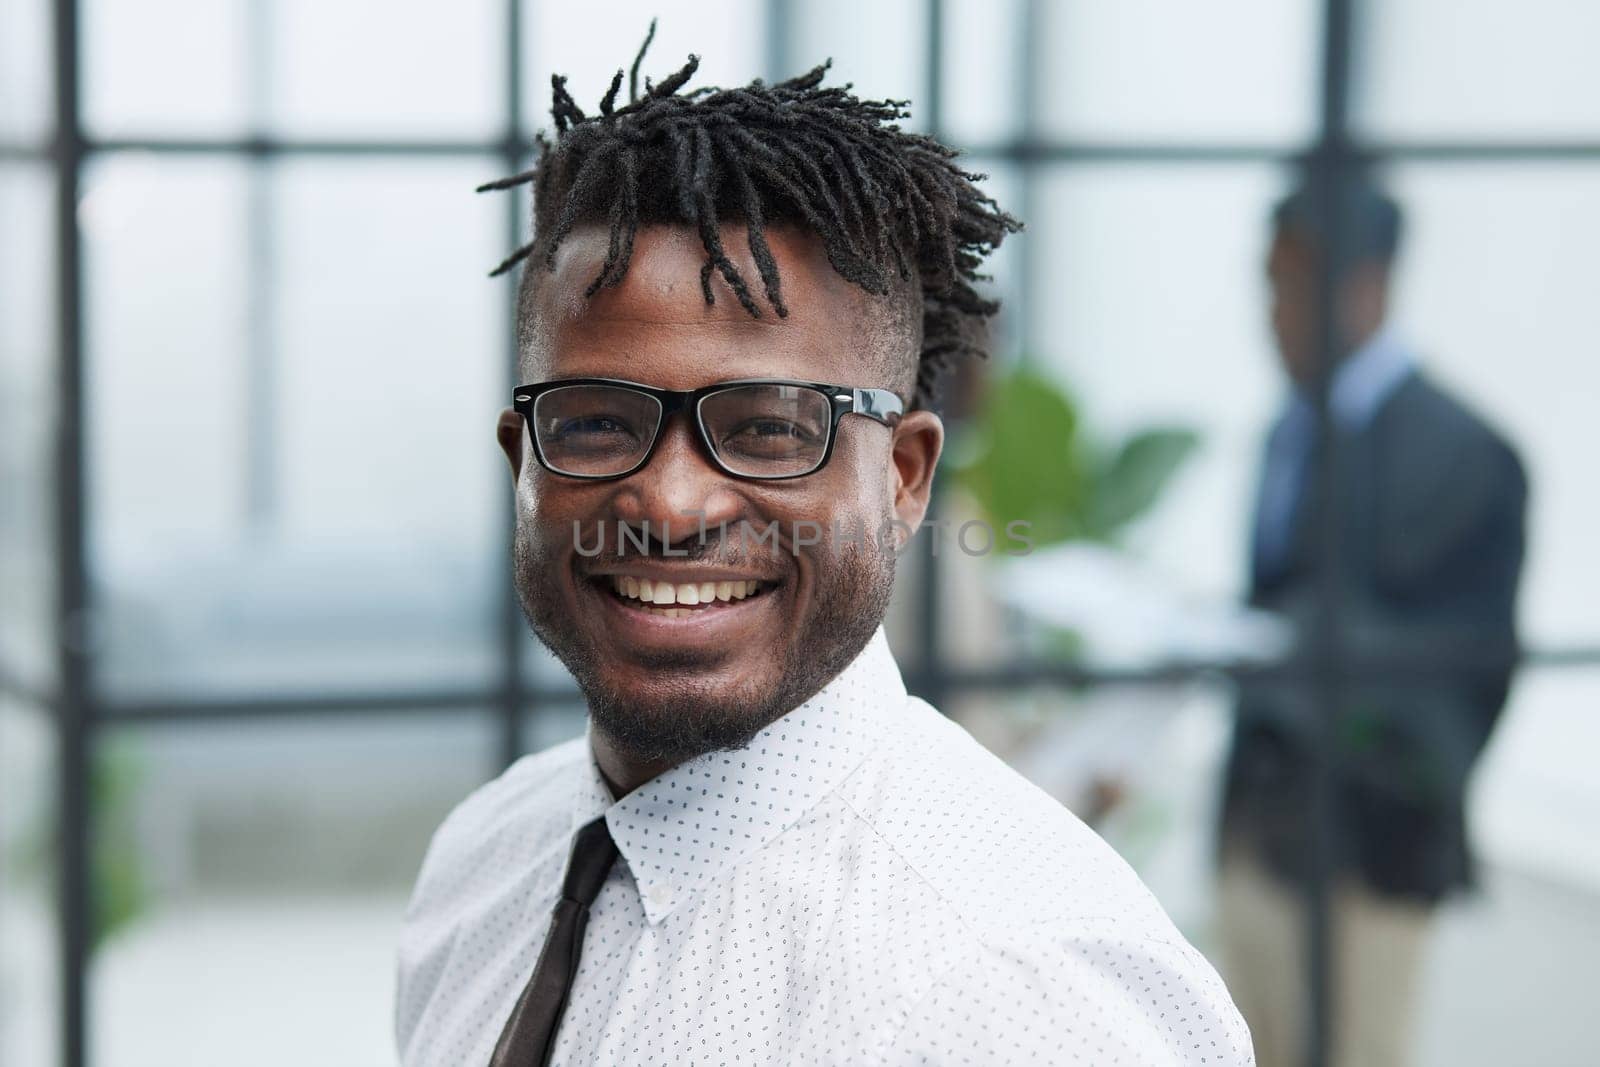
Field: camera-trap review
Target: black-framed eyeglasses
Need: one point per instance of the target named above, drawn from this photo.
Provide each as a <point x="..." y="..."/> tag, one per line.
<point x="767" y="428"/>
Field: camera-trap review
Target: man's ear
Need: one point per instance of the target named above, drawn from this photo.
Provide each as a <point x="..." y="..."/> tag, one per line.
<point x="918" y="440"/>
<point x="509" y="430"/>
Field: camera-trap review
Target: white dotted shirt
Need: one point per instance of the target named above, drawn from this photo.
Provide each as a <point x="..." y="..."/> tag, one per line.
<point x="864" y="884"/>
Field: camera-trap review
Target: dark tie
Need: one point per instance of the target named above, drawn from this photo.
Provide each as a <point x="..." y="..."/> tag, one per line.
<point x="530" y="1033"/>
<point x="1284" y="485"/>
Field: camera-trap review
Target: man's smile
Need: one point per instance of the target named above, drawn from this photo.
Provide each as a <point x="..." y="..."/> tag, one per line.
<point x="683" y="608"/>
<point x="675" y="598"/>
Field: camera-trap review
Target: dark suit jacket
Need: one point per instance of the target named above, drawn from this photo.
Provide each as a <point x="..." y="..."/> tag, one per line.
<point x="1430" y="519"/>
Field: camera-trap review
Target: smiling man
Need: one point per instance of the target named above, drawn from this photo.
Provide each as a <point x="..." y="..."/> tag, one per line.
<point x="736" y="308"/>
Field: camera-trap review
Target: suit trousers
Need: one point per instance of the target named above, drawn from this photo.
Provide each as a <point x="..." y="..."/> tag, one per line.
<point x="1378" y="943"/>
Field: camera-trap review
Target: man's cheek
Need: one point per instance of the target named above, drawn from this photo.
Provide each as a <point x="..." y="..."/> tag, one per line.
<point x="547" y="523"/>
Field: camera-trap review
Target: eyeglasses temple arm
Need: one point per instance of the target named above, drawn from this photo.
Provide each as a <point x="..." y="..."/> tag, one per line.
<point x="877" y="404"/>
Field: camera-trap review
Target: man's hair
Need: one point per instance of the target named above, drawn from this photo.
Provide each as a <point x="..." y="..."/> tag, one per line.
<point x="894" y="213"/>
<point x="1374" y="220"/>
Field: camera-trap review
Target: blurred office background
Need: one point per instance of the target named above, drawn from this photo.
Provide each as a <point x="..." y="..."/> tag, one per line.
<point x="256" y="634"/>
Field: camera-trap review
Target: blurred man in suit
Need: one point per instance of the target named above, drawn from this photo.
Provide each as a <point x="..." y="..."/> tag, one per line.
<point x="1428" y="512"/>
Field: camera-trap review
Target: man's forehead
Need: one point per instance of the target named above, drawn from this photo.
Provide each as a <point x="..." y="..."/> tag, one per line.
<point x="834" y="330"/>
<point x="663" y="282"/>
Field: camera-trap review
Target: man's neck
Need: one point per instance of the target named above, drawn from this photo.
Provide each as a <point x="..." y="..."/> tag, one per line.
<point x="622" y="771"/>
<point x="1366" y="378"/>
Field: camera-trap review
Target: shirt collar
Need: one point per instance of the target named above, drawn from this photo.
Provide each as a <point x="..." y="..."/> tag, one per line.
<point x="686" y="826"/>
<point x="1364" y="380"/>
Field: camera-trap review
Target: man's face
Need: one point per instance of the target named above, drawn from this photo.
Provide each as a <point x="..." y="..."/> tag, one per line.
<point x="671" y="683"/>
<point x="1292" y="272"/>
<point x="1292" y="281"/>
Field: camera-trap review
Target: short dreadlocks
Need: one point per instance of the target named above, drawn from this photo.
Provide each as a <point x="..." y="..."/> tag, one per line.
<point x="894" y="213"/>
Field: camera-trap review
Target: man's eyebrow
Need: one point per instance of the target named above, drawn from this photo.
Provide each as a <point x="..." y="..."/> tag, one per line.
<point x="734" y="324"/>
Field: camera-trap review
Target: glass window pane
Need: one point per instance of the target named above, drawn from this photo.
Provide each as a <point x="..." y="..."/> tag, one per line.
<point x="1493" y="292"/>
<point x="142" y="75"/>
<point x="254" y="877"/>
<point x="166" y="257"/>
<point x="29" y="927"/>
<point x="1535" y="799"/>
<point x="589" y="44"/>
<point x="1438" y="69"/>
<point x="26" y="97"/>
<point x="351" y="68"/>
<point x="1141" y="70"/>
<point x="552" y="723"/>
<point x="880" y="48"/>
<point x="382" y="68"/>
<point x="982" y="67"/>
<point x="27" y="426"/>
<point x="1504" y="977"/>
<point x="295" y="377"/>
<point x="1149" y="313"/>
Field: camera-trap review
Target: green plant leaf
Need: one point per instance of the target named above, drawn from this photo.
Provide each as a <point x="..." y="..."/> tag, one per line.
<point x="1029" y="462"/>
<point x="1127" y="485"/>
<point x="1025" y="458"/>
<point x="120" y="891"/>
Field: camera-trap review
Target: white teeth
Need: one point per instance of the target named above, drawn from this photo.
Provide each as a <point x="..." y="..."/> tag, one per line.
<point x="663" y="594"/>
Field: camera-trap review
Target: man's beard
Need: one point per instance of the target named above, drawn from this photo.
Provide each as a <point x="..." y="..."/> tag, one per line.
<point x="853" y="583"/>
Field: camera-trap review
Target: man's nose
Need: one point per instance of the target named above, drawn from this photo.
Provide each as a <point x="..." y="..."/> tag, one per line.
<point x="680" y="493"/>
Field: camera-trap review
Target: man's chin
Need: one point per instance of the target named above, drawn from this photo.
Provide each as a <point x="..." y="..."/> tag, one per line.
<point x="680" y="713"/>
<point x="682" y="678"/>
<point x="671" y="687"/>
<point x="654" y="671"/>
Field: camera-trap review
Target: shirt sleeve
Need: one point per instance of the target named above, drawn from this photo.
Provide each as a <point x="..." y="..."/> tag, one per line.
<point x="1096" y="997"/>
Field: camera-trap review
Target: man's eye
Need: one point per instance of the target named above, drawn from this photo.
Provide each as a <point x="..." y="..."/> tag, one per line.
<point x="769" y="428"/>
<point x="594" y="425"/>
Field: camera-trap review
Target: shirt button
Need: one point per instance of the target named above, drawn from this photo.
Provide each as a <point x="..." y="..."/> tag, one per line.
<point x="659" y="895"/>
